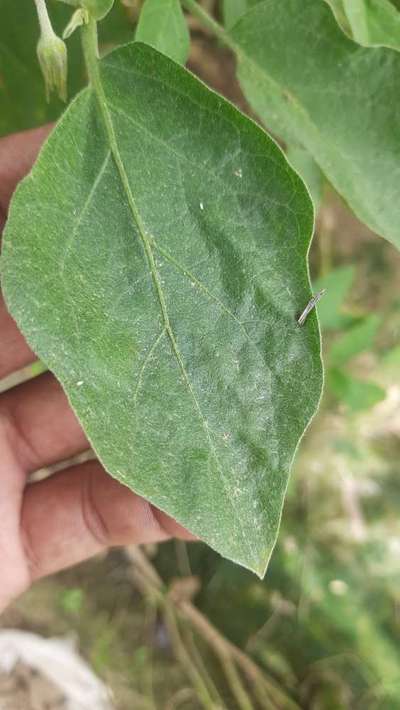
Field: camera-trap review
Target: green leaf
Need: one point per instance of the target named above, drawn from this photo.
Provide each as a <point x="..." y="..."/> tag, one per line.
<point x="306" y="166"/>
<point x="337" y="285"/>
<point x="162" y="25"/>
<point x="98" y="9"/>
<point x="155" y="259"/>
<point x="391" y="358"/>
<point x="356" y="340"/>
<point x="338" y="100"/>
<point x="22" y="93"/>
<point x="341" y="16"/>
<point x="369" y="22"/>
<point x="356" y="13"/>
<point x="355" y="394"/>
<point x="232" y="10"/>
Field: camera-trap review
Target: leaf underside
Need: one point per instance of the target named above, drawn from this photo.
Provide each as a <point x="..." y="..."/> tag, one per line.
<point x="165" y="300"/>
<point x="338" y="100"/>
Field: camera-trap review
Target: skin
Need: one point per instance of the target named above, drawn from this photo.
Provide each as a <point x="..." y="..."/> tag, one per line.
<point x="79" y="511"/>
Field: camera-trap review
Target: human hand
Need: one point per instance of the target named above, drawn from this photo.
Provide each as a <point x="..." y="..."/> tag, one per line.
<point x="79" y="511"/>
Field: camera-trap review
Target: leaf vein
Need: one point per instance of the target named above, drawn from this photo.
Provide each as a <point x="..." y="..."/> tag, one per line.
<point x="145" y="364"/>
<point x="69" y="242"/>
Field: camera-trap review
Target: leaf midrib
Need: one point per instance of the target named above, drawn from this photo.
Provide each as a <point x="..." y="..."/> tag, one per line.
<point x="98" y="89"/>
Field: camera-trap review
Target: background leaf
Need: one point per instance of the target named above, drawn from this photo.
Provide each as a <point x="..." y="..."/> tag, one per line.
<point x="355" y="341"/>
<point x="392" y="357"/>
<point x="162" y="289"/>
<point x="306" y="166"/>
<point x="369" y="22"/>
<point x="162" y="25"/>
<point x="232" y="10"/>
<point x="336" y="99"/>
<point x="355" y="394"/>
<point x="337" y="285"/>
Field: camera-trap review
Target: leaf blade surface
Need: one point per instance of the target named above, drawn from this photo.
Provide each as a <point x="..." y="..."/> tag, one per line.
<point x="171" y="320"/>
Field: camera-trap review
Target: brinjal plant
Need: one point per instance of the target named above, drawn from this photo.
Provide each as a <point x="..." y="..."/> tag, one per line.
<point x="156" y="256"/>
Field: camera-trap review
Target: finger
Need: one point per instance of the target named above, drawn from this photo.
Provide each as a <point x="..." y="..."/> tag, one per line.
<point x="17" y="155"/>
<point x="81" y="511"/>
<point x="14" y="577"/>
<point x="41" y="425"/>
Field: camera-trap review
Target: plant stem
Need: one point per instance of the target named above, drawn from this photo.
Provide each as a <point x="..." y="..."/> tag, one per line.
<point x="154" y="591"/>
<point x="268" y="692"/>
<point x="209" y="22"/>
<point x="190" y="641"/>
<point x="225" y="648"/>
<point x="91" y="53"/>
<point x="44" y="20"/>
<point x="235" y="683"/>
<point x="182" y="558"/>
<point x="185" y="659"/>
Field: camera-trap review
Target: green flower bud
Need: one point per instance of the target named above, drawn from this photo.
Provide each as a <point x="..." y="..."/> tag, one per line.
<point x="52" y="55"/>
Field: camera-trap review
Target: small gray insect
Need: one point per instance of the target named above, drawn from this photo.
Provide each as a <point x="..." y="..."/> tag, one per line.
<point x="310" y="305"/>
